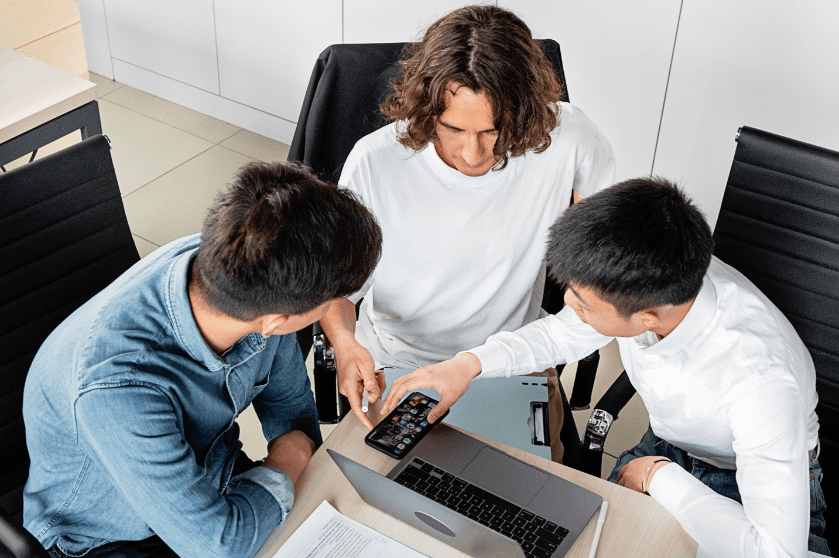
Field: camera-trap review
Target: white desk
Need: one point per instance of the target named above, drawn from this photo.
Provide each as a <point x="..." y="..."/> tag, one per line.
<point x="40" y="103"/>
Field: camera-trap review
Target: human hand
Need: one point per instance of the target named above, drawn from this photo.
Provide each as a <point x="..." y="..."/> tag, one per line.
<point x="291" y="453"/>
<point x="631" y="475"/>
<point x="450" y="378"/>
<point x="356" y="372"/>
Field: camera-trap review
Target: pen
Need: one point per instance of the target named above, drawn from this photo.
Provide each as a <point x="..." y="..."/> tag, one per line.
<point x="600" y="519"/>
<point x="364" y="401"/>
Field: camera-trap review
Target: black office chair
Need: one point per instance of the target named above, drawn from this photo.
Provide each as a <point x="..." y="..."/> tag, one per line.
<point x="341" y="106"/>
<point x="64" y="237"/>
<point x="779" y="226"/>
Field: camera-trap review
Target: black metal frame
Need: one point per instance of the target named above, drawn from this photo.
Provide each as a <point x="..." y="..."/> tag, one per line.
<point x="84" y="118"/>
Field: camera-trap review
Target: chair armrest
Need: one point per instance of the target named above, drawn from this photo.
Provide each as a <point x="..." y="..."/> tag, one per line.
<point x="18" y="541"/>
<point x="606" y="412"/>
<point x="331" y="405"/>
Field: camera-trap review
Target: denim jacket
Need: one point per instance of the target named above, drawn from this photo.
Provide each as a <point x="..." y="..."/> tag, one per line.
<point x="130" y="422"/>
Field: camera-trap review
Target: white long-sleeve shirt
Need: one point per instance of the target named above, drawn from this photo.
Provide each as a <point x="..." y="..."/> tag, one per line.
<point x="733" y="385"/>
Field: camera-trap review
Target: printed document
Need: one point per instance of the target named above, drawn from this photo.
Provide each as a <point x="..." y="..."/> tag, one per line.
<point x="329" y="534"/>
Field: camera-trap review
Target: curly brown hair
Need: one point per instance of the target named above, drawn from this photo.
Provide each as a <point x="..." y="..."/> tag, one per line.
<point x="487" y="49"/>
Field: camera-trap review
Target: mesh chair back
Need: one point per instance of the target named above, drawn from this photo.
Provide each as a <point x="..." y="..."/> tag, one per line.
<point x="64" y="236"/>
<point x="779" y="226"/>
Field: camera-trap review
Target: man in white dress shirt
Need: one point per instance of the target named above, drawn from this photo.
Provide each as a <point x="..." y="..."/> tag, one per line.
<point x="729" y="386"/>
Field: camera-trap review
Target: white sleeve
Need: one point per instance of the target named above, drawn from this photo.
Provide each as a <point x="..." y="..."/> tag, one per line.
<point x="595" y="164"/>
<point x="552" y="340"/>
<point x="355" y="177"/>
<point x="770" y="438"/>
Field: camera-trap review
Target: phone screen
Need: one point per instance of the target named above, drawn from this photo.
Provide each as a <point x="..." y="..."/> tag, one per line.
<point x="404" y="426"/>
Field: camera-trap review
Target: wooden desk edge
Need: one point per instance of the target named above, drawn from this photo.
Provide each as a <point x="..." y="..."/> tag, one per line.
<point x="79" y="92"/>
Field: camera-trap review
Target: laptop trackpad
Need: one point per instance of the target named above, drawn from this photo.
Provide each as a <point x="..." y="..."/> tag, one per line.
<point x="508" y="477"/>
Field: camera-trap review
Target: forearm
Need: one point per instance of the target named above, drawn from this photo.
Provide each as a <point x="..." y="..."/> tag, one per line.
<point x="539" y="345"/>
<point x="287" y="403"/>
<point x="769" y="440"/>
<point x="355" y="365"/>
<point x="160" y="483"/>
<point x="721" y="526"/>
<point x="339" y="321"/>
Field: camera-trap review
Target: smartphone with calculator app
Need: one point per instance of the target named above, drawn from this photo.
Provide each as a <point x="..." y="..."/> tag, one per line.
<point x="404" y="426"/>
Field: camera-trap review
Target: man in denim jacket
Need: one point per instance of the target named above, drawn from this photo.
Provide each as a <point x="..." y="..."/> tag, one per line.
<point x="130" y="404"/>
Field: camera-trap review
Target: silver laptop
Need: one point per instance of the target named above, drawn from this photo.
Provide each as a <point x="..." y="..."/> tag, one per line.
<point x="477" y="498"/>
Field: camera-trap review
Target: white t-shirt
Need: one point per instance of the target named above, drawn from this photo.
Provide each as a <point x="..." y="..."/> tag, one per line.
<point x="463" y="257"/>
<point x="732" y="385"/>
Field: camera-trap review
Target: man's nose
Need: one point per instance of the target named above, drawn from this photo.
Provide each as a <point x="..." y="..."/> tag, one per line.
<point x="472" y="150"/>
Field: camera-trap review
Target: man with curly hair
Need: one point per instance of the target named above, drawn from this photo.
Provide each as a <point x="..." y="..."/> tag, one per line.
<point x="480" y="158"/>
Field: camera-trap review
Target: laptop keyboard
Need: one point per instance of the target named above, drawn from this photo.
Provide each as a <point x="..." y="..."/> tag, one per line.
<point x="537" y="536"/>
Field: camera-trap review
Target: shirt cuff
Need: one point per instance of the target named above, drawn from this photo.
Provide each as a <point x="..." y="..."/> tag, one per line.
<point x="492" y="357"/>
<point x="276" y="482"/>
<point x="670" y="485"/>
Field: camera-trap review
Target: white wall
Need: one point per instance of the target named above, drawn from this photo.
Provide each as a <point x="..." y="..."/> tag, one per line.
<point x="616" y="56"/>
<point x="770" y="64"/>
<point x="266" y="51"/>
<point x="173" y="39"/>
<point x="396" y="21"/>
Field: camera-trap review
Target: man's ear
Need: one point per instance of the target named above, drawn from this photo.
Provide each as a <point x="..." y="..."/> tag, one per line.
<point x="273" y="322"/>
<point x="649" y="319"/>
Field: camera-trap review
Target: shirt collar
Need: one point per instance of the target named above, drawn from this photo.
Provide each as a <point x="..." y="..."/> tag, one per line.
<point x="699" y="315"/>
<point x="180" y="313"/>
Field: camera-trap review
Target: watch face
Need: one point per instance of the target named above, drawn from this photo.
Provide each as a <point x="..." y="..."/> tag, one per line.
<point x="403" y="427"/>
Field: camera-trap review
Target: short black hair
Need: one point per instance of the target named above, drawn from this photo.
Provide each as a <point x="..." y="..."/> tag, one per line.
<point x="639" y="244"/>
<point x="281" y="241"/>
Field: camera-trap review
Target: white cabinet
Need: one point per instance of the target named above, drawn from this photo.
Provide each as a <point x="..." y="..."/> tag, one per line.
<point x="616" y="57"/>
<point x="267" y="49"/>
<point x="172" y="38"/>
<point x="95" y="33"/>
<point x="396" y="21"/>
<point x="769" y="64"/>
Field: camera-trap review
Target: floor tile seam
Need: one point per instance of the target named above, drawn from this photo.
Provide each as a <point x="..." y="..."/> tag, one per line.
<point x="47" y="35"/>
<point x="105" y="98"/>
<point x="230" y="136"/>
<point x="170" y="205"/>
<point x="144" y="238"/>
<point x="102" y="97"/>
<point x="172" y="169"/>
<point x="239" y="152"/>
<point x="113" y="81"/>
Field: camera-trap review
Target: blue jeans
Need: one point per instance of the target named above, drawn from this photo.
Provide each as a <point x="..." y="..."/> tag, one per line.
<point x="724" y="482"/>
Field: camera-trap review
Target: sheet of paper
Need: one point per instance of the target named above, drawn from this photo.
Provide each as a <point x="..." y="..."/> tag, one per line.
<point x="329" y="534"/>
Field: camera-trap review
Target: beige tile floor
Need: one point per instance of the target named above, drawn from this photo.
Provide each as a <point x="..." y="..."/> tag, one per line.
<point x="171" y="162"/>
<point x="48" y="30"/>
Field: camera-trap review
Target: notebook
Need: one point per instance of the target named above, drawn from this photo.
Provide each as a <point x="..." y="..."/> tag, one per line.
<point x="477" y="498"/>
